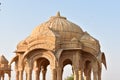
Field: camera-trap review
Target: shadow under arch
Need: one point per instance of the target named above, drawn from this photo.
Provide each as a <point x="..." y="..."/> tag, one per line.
<point x="67" y="68"/>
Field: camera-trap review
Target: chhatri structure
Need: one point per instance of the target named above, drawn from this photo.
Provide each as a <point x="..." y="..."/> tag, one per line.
<point x="58" y="42"/>
<point x="4" y="68"/>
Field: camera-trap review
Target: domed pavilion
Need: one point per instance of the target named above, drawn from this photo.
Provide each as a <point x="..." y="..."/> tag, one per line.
<point x="4" y="68"/>
<point x="58" y="42"/>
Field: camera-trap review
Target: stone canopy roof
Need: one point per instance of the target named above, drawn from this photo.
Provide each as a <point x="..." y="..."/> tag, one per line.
<point x="59" y="33"/>
<point x="3" y="60"/>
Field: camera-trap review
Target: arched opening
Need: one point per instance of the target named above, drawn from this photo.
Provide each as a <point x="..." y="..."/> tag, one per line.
<point x="48" y="74"/>
<point x="6" y="76"/>
<point x="40" y="68"/>
<point x="42" y="64"/>
<point x="67" y="69"/>
<point x="13" y="72"/>
<point x="90" y="66"/>
<point x="38" y="61"/>
<point x="24" y="75"/>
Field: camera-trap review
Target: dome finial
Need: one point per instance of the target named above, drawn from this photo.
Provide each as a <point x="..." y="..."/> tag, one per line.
<point x="58" y="14"/>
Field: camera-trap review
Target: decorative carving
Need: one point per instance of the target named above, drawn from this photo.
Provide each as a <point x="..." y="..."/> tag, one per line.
<point x="58" y="42"/>
<point x="4" y="67"/>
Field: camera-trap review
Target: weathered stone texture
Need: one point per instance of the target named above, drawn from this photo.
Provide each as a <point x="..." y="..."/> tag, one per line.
<point x="58" y="42"/>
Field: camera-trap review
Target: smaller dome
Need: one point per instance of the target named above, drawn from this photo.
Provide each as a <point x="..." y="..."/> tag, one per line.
<point x="3" y="60"/>
<point x="90" y="43"/>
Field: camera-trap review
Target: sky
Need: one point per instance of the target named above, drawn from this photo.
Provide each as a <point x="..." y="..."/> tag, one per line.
<point x="100" y="18"/>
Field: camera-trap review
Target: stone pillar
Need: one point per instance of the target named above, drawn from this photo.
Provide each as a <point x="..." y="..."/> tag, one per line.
<point x="87" y="76"/>
<point x="87" y="73"/>
<point x="80" y="74"/>
<point x="95" y="70"/>
<point x="95" y="75"/>
<point x="44" y="74"/>
<point x="17" y="75"/>
<point x="77" y="65"/>
<point x="9" y="76"/>
<point x="36" y="70"/>
<point x="36" y="74"/>
<point x="29" y="74"/>
<point x="20" y="74"/>
<point x="2" y="77"/>
<point x="53" y="74"/>
<point x="76" y="75"/>
<point x="39" y="73"/>
<point x="59" y="73"/>
<point x="99" y="74"/>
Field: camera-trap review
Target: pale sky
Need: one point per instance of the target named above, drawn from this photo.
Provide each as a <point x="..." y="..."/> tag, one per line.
<point x="100" y="18"/>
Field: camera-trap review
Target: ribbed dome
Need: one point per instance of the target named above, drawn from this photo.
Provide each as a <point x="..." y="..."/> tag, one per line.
<point x="59" y="33"/>
<point x="3" y="60"/>
<point x="60" y="26"/>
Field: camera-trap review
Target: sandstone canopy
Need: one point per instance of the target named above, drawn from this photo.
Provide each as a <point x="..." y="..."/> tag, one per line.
<point x="59" y="42"/>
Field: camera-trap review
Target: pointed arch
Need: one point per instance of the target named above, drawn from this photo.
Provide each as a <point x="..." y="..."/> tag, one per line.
<point x="39" y="53"/>
<point x="13" y="59"/>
